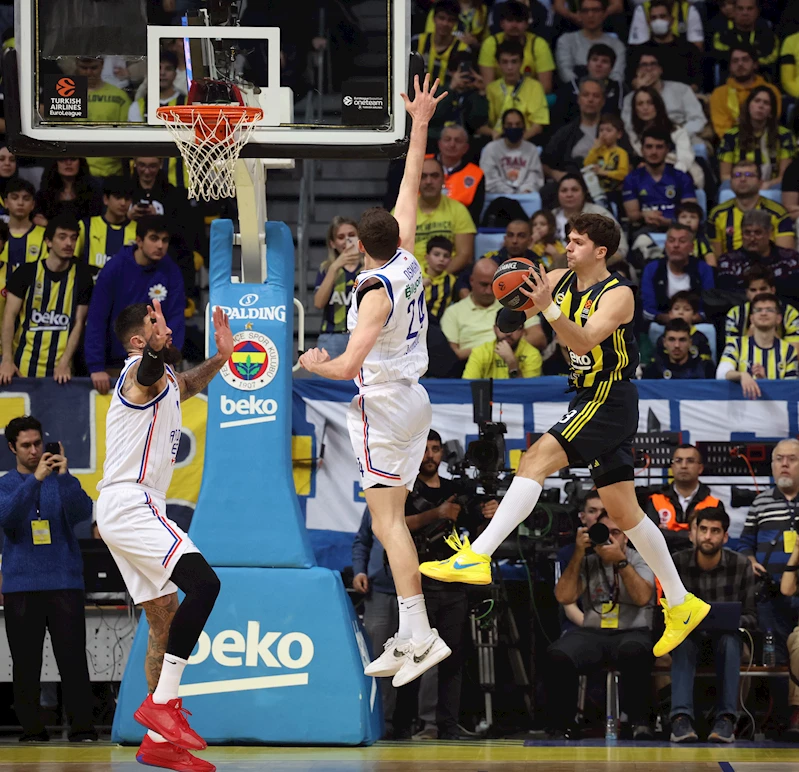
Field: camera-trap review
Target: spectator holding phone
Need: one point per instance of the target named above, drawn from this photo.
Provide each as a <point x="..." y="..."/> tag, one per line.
<point x="40" y="504"/>
<point x="334" y="284"/>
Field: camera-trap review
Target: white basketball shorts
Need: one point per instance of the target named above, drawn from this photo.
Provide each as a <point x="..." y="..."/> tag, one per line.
<point x="388" y="425"/>
<point x="145" y="543"/>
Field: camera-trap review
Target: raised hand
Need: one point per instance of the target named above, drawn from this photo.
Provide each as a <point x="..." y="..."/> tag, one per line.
<point x="223" y="337"/>
<point x="536" y="286"/>
<point x="424" y="103"/>
<point x="160" y="332"/>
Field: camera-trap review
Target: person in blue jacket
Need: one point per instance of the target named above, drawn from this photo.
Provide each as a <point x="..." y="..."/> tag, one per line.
<point x="40" y="504"/>
<point x="138" y="273"/>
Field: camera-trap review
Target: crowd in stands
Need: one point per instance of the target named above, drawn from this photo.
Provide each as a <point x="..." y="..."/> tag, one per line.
<point x="675" y="118"/>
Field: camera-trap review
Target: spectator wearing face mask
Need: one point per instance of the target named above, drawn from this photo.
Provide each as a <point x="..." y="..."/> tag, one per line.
<point x="512" y="165"/>
<point x="681" y="60"/>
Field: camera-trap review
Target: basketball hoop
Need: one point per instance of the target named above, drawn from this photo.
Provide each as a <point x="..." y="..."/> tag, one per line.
<point x="210" y="138"/>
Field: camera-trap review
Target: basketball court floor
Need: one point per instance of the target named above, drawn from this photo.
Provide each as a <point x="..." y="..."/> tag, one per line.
<point x="428" y="756"/>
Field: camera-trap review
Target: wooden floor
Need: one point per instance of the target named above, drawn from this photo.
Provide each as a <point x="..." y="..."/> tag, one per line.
<point x="430" y="756"/>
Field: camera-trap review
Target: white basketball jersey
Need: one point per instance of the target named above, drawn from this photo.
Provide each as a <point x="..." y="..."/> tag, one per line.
<point x="400" y="351"/>
<point x="142" y="440"/>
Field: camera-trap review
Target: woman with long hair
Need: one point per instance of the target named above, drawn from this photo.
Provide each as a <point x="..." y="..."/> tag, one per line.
<point x="334" y="284"/>
<point x="67" y="187"/>
<point x="758" y="137"/>
<point x="649" y="112"/>
<point x="574" y="199"/>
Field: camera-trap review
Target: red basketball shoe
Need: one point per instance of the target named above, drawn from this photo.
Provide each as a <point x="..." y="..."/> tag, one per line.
<point x="170" y="722"/>
<point x="169" y="756"/>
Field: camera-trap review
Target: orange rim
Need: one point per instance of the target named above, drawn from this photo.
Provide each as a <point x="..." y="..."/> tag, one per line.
<point x="209" y="128"/>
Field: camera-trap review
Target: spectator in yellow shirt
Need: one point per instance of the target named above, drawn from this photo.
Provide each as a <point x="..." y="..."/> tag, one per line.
<point x="439" y="215"/>
<point x="727" y="100"/>
<point x="514" y="20"/>
<point x="107" y="104"/>
<point x="515" y="91"/>
<point x="610" y="162"/>
<point x="509" y="356"/>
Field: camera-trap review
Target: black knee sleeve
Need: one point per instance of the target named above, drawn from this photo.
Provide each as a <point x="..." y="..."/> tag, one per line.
<point x="199" y="582"/>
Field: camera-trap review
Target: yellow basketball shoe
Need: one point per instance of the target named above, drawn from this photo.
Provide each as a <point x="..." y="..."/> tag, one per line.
<point x="680" y="621"/>
<point x="464" y="566"/>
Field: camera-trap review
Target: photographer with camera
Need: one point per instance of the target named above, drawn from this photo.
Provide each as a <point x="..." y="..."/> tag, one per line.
<point x="590" y="511"/>
<point x="40" y="504"/>
<point x="768" y="539"/>
<point x="616" y="588"/>
<point x="432" y="510"/>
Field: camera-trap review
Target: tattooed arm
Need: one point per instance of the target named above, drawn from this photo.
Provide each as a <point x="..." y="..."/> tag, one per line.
<point x="195" y="380"/>
<point x="160" y="613"/>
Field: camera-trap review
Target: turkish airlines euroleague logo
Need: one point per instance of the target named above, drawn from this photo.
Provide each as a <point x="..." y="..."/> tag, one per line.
<point x="65" y="96"/>
<point x="65" y="87"/>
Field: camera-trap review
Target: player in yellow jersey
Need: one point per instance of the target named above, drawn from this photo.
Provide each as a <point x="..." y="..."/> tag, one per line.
<point x="591" y="310"/>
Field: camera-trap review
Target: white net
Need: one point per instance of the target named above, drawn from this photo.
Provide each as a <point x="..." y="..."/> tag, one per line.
<point x="210" y="146"/>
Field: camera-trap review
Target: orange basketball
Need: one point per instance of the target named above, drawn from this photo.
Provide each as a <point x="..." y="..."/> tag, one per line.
<point x="509" y="278"/>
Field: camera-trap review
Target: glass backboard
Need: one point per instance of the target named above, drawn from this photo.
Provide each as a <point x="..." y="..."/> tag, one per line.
<point x="85" y="78"/>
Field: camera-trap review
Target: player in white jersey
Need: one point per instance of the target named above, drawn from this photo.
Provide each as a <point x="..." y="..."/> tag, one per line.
<point x="389" y="420"/>
<point x="156" y="557"/>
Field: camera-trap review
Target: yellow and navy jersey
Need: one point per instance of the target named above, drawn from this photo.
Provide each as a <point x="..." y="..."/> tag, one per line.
<point x="724" y="223"/>
<point x="730" y="150"/>
<point x="616" y="357"/>
<point x="779" y="361"/>
<point x="737" y="322"/>
<point x="473" y="22"/>
<point x="439" y="293"/>
<point x="27" y="248"/>
<point x="539" y="249"/>
<point x="436" y="61"/>
<point x="50" y="302"/>
<point x="3" y="292"/>
<point x="702" y="246"/>
<point x="99" y="241"/>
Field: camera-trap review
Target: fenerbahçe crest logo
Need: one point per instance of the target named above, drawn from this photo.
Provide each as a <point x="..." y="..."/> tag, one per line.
<point x="253" y="363"/>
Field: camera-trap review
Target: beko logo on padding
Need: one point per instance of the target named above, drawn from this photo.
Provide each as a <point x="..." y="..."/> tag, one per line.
<point x="230" y="648"/>
<point x="262" y="411"/>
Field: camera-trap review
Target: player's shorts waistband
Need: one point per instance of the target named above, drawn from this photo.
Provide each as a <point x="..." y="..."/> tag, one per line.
<point x="113" y="487"/>
<point x="387" y="386"/>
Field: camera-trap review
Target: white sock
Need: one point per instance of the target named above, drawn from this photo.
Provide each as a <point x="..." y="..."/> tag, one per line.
<point x="515" y="508"/>
<point x="651" y="545"/>
<point x="416" y="611"/>
<point x="404" y="632"/>
<point x="155" y="737"/>
<point x="169" y="682"/>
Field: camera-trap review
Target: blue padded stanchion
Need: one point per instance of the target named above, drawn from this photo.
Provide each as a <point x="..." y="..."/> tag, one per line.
<point x="281" y="658"/>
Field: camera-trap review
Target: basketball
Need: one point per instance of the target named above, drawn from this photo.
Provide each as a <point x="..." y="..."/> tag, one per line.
<point x="508" y="279"/>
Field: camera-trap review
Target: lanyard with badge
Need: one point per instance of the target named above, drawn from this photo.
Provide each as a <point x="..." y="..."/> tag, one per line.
<point x="610" y="609"/>
<point x="40" y="528"/>
<point x="514" y="93"/>
<point x="789" y="537"/>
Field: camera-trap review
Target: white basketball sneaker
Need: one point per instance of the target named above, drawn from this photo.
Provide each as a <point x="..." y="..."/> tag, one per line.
<point x="421" y="657"/>
<point x="391" y="660"/>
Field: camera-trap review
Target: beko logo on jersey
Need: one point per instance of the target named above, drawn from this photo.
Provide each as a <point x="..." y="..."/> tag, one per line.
<point x="231" y="648"/>
<point x="267" y="313"/>
<point x="49" y="320"/>
<point x="583" y="362"/>
<point x="261" y="410"/>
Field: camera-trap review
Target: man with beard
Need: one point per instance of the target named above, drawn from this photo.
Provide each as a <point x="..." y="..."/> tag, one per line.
<point x="721" y="576"/>
<point x="140" y="273"/>
<point x="768" y="539"/>
<point x="154" y="556"/>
